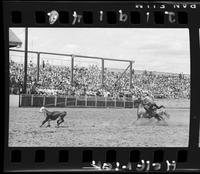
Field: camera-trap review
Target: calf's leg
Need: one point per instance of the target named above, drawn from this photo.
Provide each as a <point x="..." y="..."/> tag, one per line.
<point x="60" y="121"/>
<point x="48" y="123"/>
<point x="43" y="122"/>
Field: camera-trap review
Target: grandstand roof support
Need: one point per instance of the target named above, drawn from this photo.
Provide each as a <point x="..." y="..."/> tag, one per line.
<point x="80" y="56"/>
<point x="25" y="60"/>
<point x="102" y="73"/>
<point x="72" y="70"/>
<point x="72" y="64"/>
<point x="130" y="78"/>
<point x="122" y="74"/>
<point x="38" y="66"/>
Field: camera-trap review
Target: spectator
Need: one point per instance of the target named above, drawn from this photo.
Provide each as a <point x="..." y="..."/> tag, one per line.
<point x="55" y="80"/>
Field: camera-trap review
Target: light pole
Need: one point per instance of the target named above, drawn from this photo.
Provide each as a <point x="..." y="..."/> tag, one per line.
<point x="25" y="60"/>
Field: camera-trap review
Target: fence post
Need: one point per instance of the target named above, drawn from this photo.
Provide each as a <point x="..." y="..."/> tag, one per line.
<point x="95" y="101"/>
<point x="32" y="100"/>
<point x="124" y="101"/>
<point x="55" y="101"/>
<point x="44" y="100"/>
<point x="76" y="102"/>
<point x="132" y="103"/>
<point x="65" y="101"/>
<point x="85" y="100"/>
<point x="115" y="102"/>
<point x="106" y="102"/>
<point x="20" y="100"/>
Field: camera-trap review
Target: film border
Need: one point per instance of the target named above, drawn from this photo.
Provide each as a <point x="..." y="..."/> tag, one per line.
<point x="28" y="9"/>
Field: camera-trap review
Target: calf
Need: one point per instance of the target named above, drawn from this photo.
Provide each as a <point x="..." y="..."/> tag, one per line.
<point x="52" y="116"/>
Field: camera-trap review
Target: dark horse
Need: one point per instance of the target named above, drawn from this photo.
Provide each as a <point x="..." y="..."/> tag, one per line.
<point x="142" y="112"/>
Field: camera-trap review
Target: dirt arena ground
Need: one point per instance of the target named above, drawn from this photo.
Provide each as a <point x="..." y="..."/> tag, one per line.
<point x="94" y="127"/>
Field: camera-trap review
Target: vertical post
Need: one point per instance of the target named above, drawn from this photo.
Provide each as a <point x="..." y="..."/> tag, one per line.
<point x="32" y="100"/>
<point x="124" y="101"/>
<point x="55" y="101"/>
<point x="65" y="101"/>
<point x="85" y="100"/>
<point x="20" y="100"/>
<point x="132" y="101"/>
<point x="72" y="70"/>
<point x="25" y="60"/>
<point x="44" y="100"/>
<point x="102" y="73"/>
<point x="95" y="101"/>
<point x="76" y="102"/>
<point x="130" y="80"/>
<point x="38" y="66"/>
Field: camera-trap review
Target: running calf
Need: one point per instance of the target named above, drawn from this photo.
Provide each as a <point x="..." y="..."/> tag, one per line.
<point x="52" y="116"/>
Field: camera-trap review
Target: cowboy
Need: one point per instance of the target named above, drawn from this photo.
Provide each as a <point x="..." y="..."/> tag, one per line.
<point x="150" y="106"/>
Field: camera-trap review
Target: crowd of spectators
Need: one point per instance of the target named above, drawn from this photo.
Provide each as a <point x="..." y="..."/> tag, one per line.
<point x="56" y="80"/>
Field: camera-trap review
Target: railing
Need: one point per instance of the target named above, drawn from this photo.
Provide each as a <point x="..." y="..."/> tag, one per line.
<point x="72" y="101"/>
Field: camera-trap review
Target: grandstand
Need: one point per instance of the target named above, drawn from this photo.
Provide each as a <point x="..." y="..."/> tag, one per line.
<point x="93" y="81"/>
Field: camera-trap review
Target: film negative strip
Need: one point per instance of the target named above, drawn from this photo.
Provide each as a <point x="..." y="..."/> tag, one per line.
<point x="101" y="86"/>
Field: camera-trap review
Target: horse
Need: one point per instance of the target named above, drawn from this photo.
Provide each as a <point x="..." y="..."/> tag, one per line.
<point x="142" y="113"/>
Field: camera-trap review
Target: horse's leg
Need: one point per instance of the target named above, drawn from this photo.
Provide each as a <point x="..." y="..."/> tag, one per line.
<point x="166" y="115"/>
<point x="162" y="118"/>
<point x="138" y="117"/>
<point x="147" y="115"/>
<point x="158" y="117"/>
<point x="43" y="122"/>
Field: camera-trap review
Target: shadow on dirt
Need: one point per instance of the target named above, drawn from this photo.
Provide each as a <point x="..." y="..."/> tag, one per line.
<point x="149" y="122"/>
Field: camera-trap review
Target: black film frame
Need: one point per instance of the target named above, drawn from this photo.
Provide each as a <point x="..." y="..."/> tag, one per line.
<point x="79" y="157"/>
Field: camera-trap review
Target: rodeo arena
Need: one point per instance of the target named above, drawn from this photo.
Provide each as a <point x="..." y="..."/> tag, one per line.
<point x="57" y="102"/>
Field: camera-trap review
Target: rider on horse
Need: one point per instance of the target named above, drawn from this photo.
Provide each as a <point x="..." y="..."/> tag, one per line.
<point x="150" y="106"/>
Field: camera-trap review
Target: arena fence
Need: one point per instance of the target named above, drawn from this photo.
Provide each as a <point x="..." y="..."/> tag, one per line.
<point x="72" y="101"/>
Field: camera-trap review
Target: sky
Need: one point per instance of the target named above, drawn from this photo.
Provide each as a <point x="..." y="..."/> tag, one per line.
<point x="164" y="50"/>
